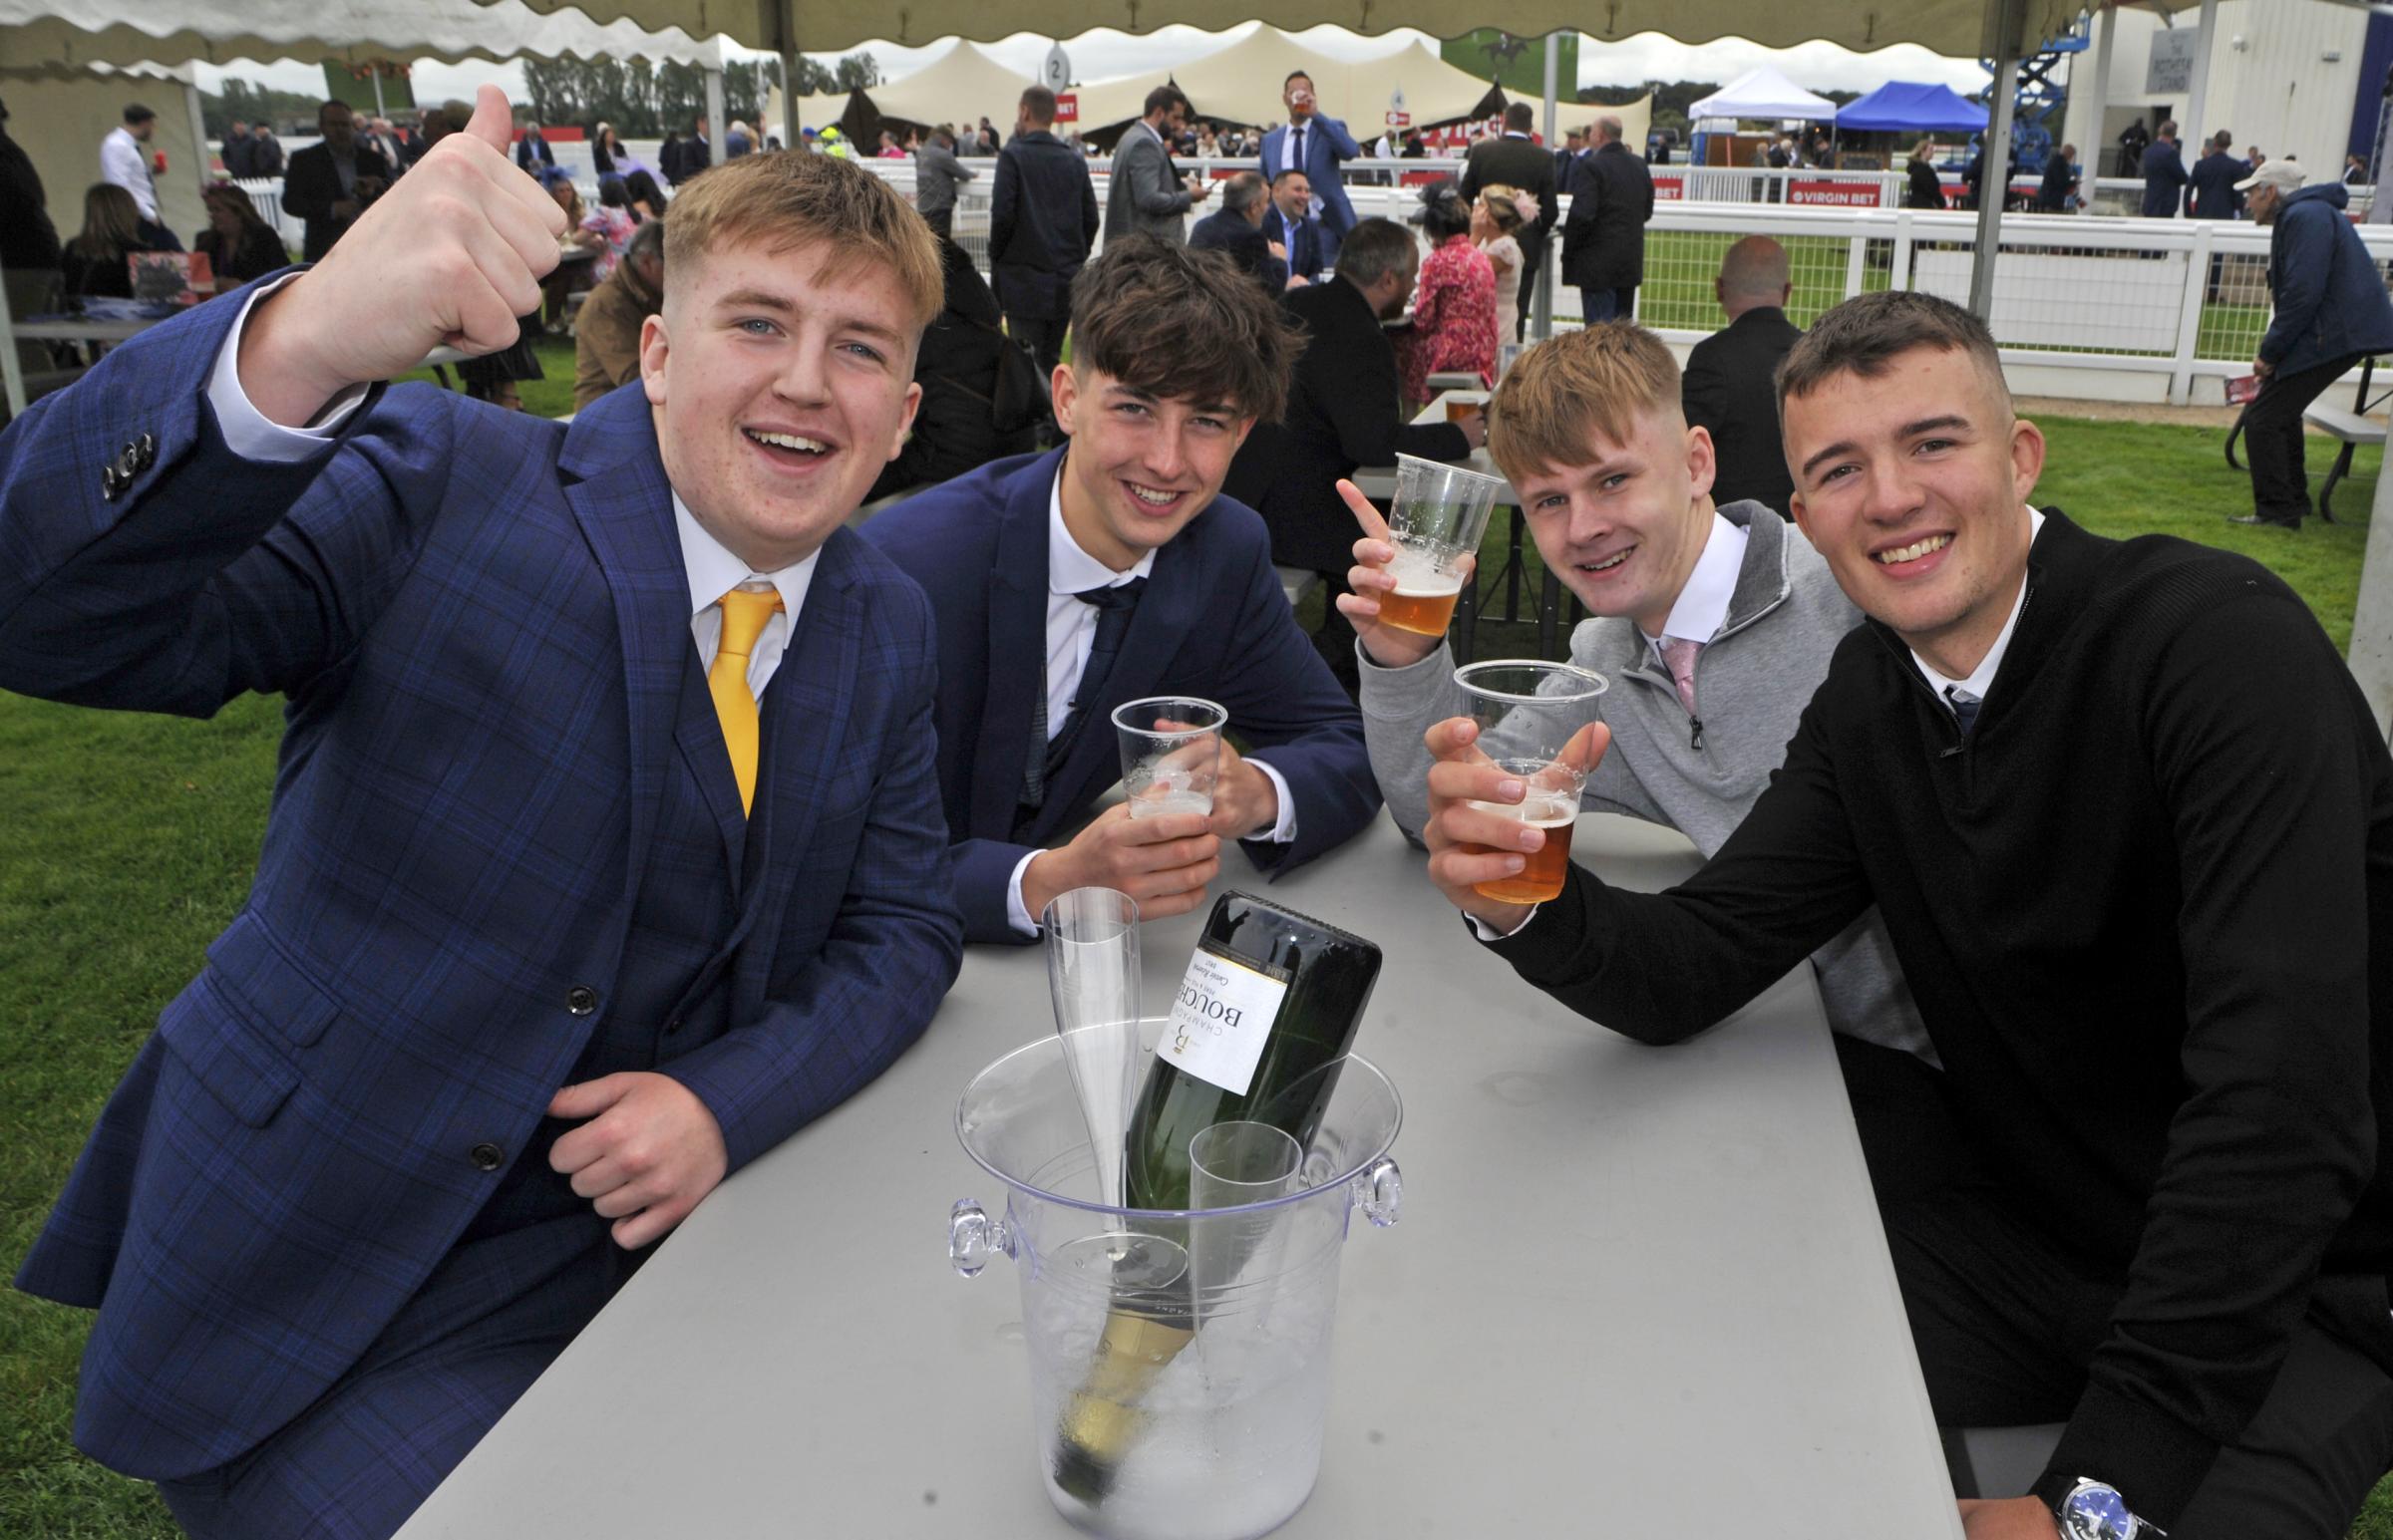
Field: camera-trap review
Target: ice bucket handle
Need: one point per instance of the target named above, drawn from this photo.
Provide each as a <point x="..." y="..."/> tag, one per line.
<point x="1379" y="1191"/>
<point x="973" y="1238"/>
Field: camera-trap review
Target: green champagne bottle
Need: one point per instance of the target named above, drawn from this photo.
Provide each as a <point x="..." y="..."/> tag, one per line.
<point x="1263" y="1018"/>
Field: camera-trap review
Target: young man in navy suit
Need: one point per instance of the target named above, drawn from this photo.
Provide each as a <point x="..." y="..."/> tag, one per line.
<point x="605" y="850"/>
<point x="1070" y="582"/>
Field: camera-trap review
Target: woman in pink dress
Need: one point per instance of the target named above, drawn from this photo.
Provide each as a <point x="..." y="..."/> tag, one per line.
<point x="1454" y="307"/>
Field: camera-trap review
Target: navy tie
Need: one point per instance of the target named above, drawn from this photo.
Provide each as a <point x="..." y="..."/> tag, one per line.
<point x="1964" y="707"/>
<point x="1114" y="606"/>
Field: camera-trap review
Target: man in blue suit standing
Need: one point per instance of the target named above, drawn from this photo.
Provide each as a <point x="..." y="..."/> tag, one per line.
<point x="1315" y="145"/>
<point x="605" y="850"/>
<point x="1070" y="582"/>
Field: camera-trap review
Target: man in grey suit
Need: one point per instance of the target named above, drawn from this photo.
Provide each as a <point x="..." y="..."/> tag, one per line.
<point x="1146" y="196"/>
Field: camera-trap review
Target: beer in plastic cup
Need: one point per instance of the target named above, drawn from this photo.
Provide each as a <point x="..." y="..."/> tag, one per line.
<point x="1435" y="523"/>
<point x="1171" y="754"/>
<point x="1527" y="712"/>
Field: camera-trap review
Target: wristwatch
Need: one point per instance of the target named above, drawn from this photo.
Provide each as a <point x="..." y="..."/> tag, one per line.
<point x="2096" y="1511"/>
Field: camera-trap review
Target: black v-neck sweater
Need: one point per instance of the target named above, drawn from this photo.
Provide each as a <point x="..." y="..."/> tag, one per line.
<point x="2147" y="911"/>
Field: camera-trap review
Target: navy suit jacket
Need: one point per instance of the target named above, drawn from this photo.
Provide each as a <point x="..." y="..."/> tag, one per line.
<point x="482" y="625"/>
<point x="1327" y="144"/>
<point x="1213" y="622"/>
<point x="1244" y="244"/>
<point x="1302" y="238"/>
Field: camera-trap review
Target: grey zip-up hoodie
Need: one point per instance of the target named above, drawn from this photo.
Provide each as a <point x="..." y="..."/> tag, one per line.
<point x="1752" y="682"/>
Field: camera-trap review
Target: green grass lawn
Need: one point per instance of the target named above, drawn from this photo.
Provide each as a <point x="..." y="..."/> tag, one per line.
<point x="130" y="842"/>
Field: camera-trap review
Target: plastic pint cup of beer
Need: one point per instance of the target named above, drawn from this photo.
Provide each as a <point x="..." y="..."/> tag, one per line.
<point x="1436" y="522"/>
<point x="1528" y="713"/>
<point x="1171" y="754"/>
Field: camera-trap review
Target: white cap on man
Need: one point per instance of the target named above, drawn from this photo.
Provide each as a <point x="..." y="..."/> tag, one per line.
<point x="2284" y="175"/>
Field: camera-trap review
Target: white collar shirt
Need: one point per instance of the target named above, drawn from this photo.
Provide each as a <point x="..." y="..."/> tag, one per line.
<point x="714" y="571"/>
<point x="1981" y="678"/>
<point x="1701" y="608"/>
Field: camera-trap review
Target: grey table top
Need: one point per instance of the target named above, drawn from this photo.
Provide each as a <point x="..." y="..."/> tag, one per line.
<point x="1380" y="480"/>
<point x="1634" y="1291"/>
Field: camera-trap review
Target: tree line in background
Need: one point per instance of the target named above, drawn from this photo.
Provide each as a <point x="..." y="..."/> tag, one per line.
<point x="642" y="100"/>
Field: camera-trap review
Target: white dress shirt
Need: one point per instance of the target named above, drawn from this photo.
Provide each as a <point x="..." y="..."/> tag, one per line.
<point x="1701" y="608"/>
<point x="1981" y="678"/>
<point x="124" y="162"/>
<point x="1071" y="632"/>
<point x="712" y="570"/>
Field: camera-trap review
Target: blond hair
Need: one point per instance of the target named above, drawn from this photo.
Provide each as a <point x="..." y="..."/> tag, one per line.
<point x="1598" y="380"/>
<point x="781" y="198"/>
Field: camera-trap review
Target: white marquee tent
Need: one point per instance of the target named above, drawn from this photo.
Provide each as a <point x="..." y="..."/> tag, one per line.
<point x="1766" y="95"/>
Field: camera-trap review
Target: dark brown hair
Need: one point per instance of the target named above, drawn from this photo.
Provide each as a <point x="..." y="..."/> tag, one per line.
<point x="1864" y="336"/>
<point x="1041" y="104"/>
<point x="1181" y="324"/>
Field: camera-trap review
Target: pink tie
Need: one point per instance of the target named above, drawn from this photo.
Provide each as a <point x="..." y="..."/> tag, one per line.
<point x="1679" y="654"/>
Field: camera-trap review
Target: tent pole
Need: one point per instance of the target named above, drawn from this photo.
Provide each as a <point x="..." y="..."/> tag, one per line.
<point x="190" y="101"/>
<point x="714" y="114"/>
<point x="1994" y="186"/>
<point x="1541" y="318"/>
<point x="2195" y="127"/>
<point x="374" y="67"/>
<point x="785" y="21"/>
<point x="2082" y="126"/>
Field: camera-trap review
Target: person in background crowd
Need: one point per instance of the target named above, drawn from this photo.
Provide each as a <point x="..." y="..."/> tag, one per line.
<point x="1208" y="144"/>
<point x="124" y="158"/>
<point x="92" y="266"/>
<point x="1923" y="190"/>
<point x="238" y="154"/>
<point x="1728" y="391"/>
<point x="238" y="243"/>
<point x="937" y="174"/>
<point x="684" y="155"/>
<point x="1289" y="224"/>
<point x="956" y="366"/>
<point x="1342" y="413"/>
<point x="991" y="139"/>
<point x="1145" y="195"/>
<point x="613" y="222"/>
<point x="2355" y="170"/>
<point x="1513" y="160"/>
<point x="1117" y="561"/>
<point x="2330" y="311"/>
<point x="1604" y="240"/>
<point x="890" y="149"/>
<point x="266" y="158"/>
<point x="569" y="278"/>
<point x="2133" y="140"/>
<point x="1043" y="224"/>
<point x="332" y="183"/>
<point x="608" y="156"/>
<point x="1236" y="229"/>
<point x="606" y="334"/>
<point x="531" y="147"/>
<point x="1415" y="147"/>
<point x="1565" y="159"/>
<point x="2165" y="175"/>
<point x="647" y="198"/>
<point x="1714" y="631"/>
<point x="451" y="116"/>
<point x="557" y="1043"/>
<point x="1497" y="220"/>
<point x="1316" y="146"/>
<point x="2210" y="194"/>
<point x="2253" y="159"/>
<point x="383" y="141"/>
<point x="1454" y="302"/>
<point x="2130" y="823"/>
<point x="737" y="141"/>
<point x="2057" y="192"/>
<point x="29" y="246"/>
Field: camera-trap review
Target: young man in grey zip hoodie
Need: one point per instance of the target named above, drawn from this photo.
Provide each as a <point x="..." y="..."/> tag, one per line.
<point x="1617" y="491"/>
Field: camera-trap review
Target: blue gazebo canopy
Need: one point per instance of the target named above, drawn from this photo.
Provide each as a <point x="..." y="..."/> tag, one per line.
<point x="1902" y="105"/>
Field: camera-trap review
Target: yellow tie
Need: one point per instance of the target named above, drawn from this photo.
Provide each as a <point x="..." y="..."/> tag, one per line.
<point x="744" y="617"/>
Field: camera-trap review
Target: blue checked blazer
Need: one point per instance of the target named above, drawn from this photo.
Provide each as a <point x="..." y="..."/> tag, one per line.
<point x="481" y="626"/>
<point x="1213" y="623"/>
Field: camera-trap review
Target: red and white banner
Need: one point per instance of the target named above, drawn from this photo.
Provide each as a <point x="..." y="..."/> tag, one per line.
<point x="1067" y="107"/>
<point x="1669" y="189"/>
<point x="1835" y="194"/>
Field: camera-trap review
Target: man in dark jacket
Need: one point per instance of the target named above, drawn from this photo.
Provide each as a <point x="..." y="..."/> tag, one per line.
<point x="532" y="148"/>
<point x="2165" y="175"/>
<point x="1515" y="160"/>
<point x="1729" y="388"/>
<point x="2215" y="176"/>
<point x="1289" y="224"/>
<point x="2130" y="822"/>
<point x="2058" y="185"/>
<point x="1342" y="413"/>
<point x="1043" y="223"/>
<point x="2134" y="139"/>
<point x="239" y="151"/>
<point x="1604" y="240"/>
<point x="955" y="428"/>
<point x="2331" y="312"/>
<point x="685" y="156"/>
<point x="330" y="183"/>
<point x="1925" y="188"/>
<point x="1236" y="229"/>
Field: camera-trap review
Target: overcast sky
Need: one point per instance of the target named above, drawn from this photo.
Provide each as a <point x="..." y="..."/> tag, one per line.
<point x="1097" y="55"/>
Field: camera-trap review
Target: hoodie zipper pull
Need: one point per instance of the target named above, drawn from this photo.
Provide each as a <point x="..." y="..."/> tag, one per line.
<point x="1695" y="733"/>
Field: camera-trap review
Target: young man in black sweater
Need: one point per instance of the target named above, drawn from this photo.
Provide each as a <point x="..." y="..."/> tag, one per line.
<point x="2131" y="826"/>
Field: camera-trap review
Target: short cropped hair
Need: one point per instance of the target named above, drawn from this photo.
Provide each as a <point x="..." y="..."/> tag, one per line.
<point x="1864" y="335"/>
<point x="1296" y="75"/>
<point x="1284" y="172"/>
<point x="1041" y="104"/>
<point x="1375" y="248"/>
<point x="1599" y="379"/>
<point x="1161" y="99"/>
<point x="1518" y="115"/>
<point x="1243" y="191"/>
<point x="785" y="197"/>
<point x="2168" y="129"/>
<point x="1183" y="325"/>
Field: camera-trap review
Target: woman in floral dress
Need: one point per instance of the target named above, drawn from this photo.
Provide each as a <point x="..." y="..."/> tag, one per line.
<point x="1454" y="306"/>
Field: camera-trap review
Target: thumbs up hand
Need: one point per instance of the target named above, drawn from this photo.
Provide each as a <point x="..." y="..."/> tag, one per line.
<point x="450" y="255"/>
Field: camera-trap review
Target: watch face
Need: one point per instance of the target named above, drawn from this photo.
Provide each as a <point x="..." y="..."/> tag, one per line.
<point x="2096" y="1512"/>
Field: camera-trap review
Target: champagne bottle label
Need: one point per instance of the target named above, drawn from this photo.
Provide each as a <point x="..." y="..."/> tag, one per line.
<point x="1220" y="1019"/>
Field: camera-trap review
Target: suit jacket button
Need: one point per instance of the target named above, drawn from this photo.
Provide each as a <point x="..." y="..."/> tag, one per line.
<point x="487" y="1158"/>
<point x="110" y="483"/>
<point x="581" y="1000"/>
<point x="145" y="451"/>
<point x="673" y="1026"/>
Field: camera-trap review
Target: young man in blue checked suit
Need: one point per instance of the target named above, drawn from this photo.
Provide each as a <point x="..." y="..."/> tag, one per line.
<point x="1070" y="582"/>
<point x="605" y="850"/>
